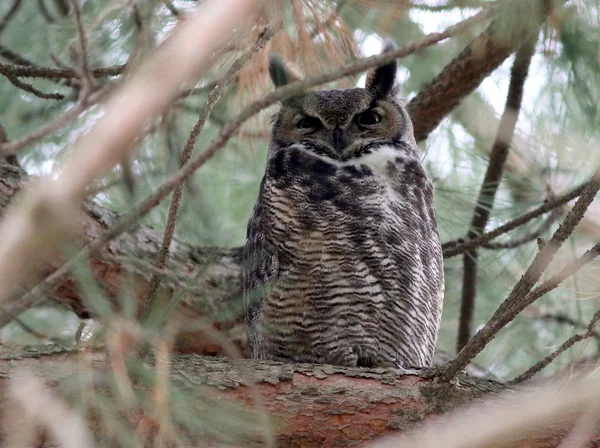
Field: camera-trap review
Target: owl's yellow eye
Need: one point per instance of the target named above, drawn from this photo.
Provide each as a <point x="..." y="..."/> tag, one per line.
<point x="309" y="123"/>
<point x="368" y="118"/>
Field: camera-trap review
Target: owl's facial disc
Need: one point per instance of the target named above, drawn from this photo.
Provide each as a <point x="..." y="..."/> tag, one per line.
<point x="341" y="124"/>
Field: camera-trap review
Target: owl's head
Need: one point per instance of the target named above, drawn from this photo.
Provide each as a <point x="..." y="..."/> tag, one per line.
<point x="343" y="124"/>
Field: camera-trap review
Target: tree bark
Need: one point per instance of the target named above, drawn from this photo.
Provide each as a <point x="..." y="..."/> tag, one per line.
<point x="310" y="405"/>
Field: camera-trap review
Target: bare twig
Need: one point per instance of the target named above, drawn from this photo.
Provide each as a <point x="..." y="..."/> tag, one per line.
<point x="540" y="365"/>
<point x="10" y="14"/>
<point x="457" y="247"/>
<point x="86" y="100"/>
<point x="86" y="76"/>
<point x="172" y="8"/>
<point x="29" y="88"/>
<point x="489" y="187"/>
<point x="13" y="56"/>
<point x="563" y="319"/>
<point x="47" y="214"/>
<point x="552" y="218"/>
<point x="35" y="71"/>
<point x="565" y="273"/>
<point x="517" y="300"/>
<point x="213" y="98"/>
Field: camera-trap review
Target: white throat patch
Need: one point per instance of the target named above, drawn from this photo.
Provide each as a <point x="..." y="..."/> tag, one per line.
<point x="378" y="159"/>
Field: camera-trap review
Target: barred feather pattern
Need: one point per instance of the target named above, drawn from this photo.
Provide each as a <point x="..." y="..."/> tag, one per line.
<point x="343" y="259"/>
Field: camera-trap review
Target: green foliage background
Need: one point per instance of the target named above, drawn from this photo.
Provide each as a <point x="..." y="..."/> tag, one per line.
<point x="556" y="149"/>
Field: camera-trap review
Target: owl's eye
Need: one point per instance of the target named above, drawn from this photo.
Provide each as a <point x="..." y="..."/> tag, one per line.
<point x="368" y="118"/>
<point x="309" y="123"/>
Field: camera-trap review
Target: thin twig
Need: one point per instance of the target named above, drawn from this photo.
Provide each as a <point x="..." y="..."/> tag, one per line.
<point x="563" y="319"/>
<point x="172" y="8"/>
<point x="36" y="71"/>
<point x="86" y="77"/>
<point x="10" y="14"/>
<point x="29" y="88"/>
<point x="86" y="100"/>
<point x="542" y="364"/>
<point x="546" y="225"/>
<point x="13" y="56"/>
<point x="459" y="246"/>
<point x="213" y="98"/>
<point x="21" y="303"/>
<point x="517" y="300"/>
<point x="491" y="182"/>
<point x="565" y="273"/>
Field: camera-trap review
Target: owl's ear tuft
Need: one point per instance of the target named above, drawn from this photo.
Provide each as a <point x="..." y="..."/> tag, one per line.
<point x="281" y="73"/>
<point x="381" y="80"/>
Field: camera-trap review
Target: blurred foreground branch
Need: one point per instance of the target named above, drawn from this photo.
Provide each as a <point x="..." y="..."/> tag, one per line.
<point x="46" y="214"/>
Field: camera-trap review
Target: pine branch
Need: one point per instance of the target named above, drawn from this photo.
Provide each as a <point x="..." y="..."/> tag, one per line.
<point x="213" y="98"/>
<point x="540" y="365"/>
<point x="552" y="218"/>
<point x="459" y="246"/>
<point x="36" y="71"/>
<point x="517" y="300"/>
<point x="466" y="72"/>
<point x="491" y="182"/>
<point x="46" y="215"/>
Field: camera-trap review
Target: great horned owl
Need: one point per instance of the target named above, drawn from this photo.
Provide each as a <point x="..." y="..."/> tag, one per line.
<point x="343" y="262"/>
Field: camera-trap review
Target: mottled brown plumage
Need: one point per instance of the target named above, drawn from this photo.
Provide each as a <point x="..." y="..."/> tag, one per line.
<point x="343" y="262"/>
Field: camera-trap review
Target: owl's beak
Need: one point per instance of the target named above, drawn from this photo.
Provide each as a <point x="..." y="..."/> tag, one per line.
<point x="338" y="139"/>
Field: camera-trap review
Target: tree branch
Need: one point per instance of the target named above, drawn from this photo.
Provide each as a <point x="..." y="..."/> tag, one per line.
<point x="491" y="182"/>
<point x="462" y="76"/>
<point x="46" y="215"/>
<point x="517" y="300"/>
<point x="35" y="71"/>
<point x="516" y="242"/>
<point x="213" y="98"/>
<point x="540" y="365"/>
<point x="459" y="246"/>
<point x="311" y="405"/>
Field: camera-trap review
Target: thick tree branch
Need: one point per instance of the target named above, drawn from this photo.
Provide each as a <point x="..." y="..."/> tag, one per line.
<point x="326" y="406"/>
<point x="468" y="70"/>
<point x="491" y="182"/>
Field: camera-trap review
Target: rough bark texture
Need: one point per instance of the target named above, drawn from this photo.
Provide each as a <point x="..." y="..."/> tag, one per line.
<point x="314" y="406"/>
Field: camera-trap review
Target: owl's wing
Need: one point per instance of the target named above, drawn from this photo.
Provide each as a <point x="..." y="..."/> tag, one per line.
<point x="261" y="268"/>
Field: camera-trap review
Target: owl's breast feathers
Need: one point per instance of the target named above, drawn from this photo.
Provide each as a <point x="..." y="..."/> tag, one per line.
<point x="344" y="261"/>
